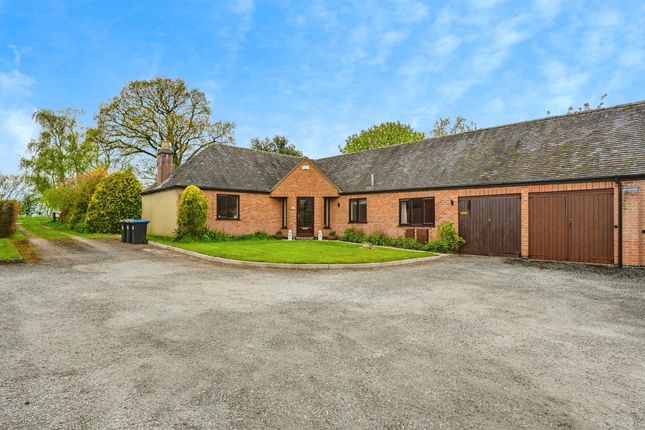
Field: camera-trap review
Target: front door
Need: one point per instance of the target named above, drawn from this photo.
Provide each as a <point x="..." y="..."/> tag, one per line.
<point x="305" y="226"/>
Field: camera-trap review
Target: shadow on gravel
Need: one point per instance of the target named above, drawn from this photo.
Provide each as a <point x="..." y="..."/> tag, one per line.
<point x="627" y="272"/>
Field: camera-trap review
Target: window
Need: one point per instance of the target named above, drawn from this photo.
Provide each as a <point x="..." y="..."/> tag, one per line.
<point x="327" y="214"/>
<point x="358" y="210"/>
<point x="284" y="212"/>
<point x="228" y="206"/>
<point x="416" y="211"/>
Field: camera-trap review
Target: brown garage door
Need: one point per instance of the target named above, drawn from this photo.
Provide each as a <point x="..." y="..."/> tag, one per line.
<point x="490" y="225"/>
<point x="572" y="226"/>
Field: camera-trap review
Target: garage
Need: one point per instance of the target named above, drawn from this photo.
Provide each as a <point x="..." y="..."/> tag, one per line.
<point x="490" y="225"/>
<point x="572" y="226"/>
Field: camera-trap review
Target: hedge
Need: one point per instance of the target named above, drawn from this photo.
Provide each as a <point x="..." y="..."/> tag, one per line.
<point x="8" y="215"/>
<point x="116" y="197"/>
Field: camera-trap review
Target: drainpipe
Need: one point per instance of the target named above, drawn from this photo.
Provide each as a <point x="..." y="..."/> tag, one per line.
<point x="620" y="222"/>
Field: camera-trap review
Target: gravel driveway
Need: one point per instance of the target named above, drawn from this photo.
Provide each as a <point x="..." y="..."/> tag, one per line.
<point x="105" y="335"/>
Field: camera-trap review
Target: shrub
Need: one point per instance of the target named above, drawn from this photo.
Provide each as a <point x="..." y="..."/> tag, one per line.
<point x="379" y="239"/>
<point x="407" y="243"/>
<point x="117" y="197"/>
<point x="8" y="215"/>
<point x="72" y="198"/>
<point x="192" y="212"/>
<point x="447" y="241"/>
<point x="221" y="236"/>
<point x="352" y="234"/>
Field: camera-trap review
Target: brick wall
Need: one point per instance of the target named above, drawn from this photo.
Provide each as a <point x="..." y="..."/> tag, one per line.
<point x="263" y="211"/>
<point x="258" y="212"/>
<point x="305" y="183"/>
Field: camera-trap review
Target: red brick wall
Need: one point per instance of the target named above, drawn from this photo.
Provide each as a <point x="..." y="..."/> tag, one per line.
<point x="258" y="212"/>
<point x="305" y="183"/>
<point x="263" y="212"/>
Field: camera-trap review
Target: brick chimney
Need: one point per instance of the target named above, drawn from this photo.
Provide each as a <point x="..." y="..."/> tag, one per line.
<point x="164" y="162"/>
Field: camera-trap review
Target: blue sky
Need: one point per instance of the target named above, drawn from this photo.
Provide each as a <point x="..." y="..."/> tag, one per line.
<point x="318" y="71"/>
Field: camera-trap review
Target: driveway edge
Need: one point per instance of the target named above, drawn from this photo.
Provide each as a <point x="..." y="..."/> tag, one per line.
<point x="242" y="263"/>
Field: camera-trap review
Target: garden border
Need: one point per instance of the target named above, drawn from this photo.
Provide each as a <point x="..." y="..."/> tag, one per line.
<point x="259" y="264"/>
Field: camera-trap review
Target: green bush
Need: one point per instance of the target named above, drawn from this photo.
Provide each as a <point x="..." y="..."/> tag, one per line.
<point x="192" y="212"/>
<point x="117" y="197"/>
<point x="447" y="241"/>
<point x="379" y="239"/>
<point x="221" y="236"/>
<point x="407" y="243"/>
<point x="72" y="198"/>
<point x="8" y="215"/>
<point x="352" y="234"/>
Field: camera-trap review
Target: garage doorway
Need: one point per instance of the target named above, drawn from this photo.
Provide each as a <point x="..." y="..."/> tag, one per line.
<point x="572" y="226"/>
<point x="490" y="225"/>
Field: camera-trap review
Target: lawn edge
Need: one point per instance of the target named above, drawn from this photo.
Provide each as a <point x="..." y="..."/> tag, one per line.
<point x="317" y="266"/>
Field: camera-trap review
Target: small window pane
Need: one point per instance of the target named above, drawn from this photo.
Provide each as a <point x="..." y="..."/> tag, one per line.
<point x="353" y="204"/>
<point x="362" y="210"/>
<point x="428" y="211"/>
<point x="417" y="212"/>
<point x="221" y="206"/>
<point x="404" y="211"/>
<point x="233" y="207"/>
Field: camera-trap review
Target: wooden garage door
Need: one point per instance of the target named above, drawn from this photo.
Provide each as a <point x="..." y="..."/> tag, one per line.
<point x="490" y="225"/>
<point x="572" y="226"/>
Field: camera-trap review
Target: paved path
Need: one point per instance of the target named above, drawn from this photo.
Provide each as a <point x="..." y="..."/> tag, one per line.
<point x="107" y="335"/>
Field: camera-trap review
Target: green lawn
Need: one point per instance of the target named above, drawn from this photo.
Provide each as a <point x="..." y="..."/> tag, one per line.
<point x="295" y="251"/>
<point x="8" y="250"/>
<point x="44" y="227"/>
<point x="35" y="225"/>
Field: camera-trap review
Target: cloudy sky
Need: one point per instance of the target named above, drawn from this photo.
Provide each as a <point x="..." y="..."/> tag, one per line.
<point x="318" y="71"/>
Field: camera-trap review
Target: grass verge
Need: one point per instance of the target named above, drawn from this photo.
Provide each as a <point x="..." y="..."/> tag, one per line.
<point x="295" y="251"/>
<point x="35" y="225"/>
<point x="8" y="250"/>
<point x="45" y="228"/>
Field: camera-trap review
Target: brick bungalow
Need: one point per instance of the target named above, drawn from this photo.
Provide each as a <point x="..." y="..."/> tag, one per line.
<point x="569" y="187"/>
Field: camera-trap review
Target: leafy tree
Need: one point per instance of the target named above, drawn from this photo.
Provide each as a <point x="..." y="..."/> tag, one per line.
<point x="116" y="197"/>
<point x="133" y="124"/>
<point x="192" y="212"/>
<point x="59" y="152"/>
<point x="385" y="134"/>
<point x="279" y="144"/>
<point x="442" y="126"/>
<point x="72" y="198"/>
<point x="30" y="205"/>
<point x="11" y="186"/>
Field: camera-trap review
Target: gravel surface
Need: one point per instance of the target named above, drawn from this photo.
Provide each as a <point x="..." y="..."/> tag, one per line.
<point x="101" y="334"/>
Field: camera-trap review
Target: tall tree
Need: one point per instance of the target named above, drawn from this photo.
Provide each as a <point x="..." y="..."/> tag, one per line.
<point x="145" y="113"/>
<point x="385" y="134"/>
<point x="443" y="126"/>
<point x="59" y="152"/>
<point x="12" y="187"/>
<point x="279" y="144"/>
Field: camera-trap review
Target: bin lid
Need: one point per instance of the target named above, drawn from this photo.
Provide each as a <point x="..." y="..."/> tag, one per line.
<point x="136" y="221"/>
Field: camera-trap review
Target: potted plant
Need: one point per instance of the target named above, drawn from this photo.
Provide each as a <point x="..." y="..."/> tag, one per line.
<point x="279" y="235"/>
<point x="332" y="235"/>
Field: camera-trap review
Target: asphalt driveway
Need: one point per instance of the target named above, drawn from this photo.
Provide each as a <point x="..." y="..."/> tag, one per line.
<point x="105" y="335"/>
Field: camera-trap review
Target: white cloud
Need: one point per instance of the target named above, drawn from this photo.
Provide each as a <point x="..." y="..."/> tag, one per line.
<point x="564" y="84"/>
<point x="548" y="9"/>
<point x="15" y="82"/>
<point x="446" y="45"/>
<point x="16" y="130"/>
<point x="485" y="4"/>
<point x="244" y="7"/>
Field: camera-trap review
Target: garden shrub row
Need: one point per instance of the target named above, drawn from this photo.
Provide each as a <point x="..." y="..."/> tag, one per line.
<point x="95" y="202"/>
<point x="447" y="241"/>
<point x="8" y="216"/>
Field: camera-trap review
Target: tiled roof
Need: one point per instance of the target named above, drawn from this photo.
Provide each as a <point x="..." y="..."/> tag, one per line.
<point x="228" y="167"/>
<point x="595" y="144"/>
